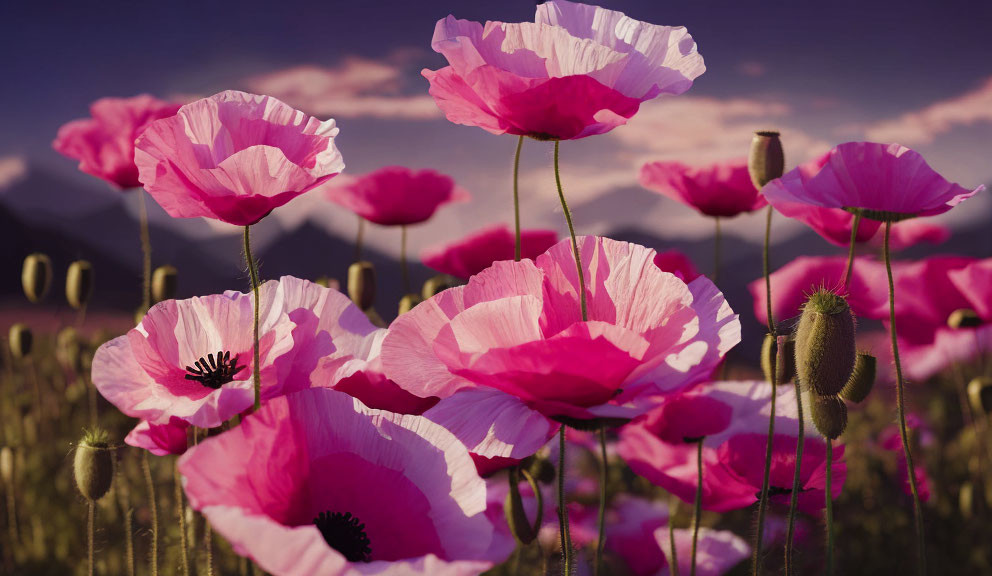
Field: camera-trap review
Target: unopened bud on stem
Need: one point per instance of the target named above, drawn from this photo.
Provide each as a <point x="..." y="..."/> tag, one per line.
<point x="825" y="346"/>
<point x="361" y="284"/>
<point x="79" y="283"/>
<point x="36" y="276"/>
<point x="766" y="161"/>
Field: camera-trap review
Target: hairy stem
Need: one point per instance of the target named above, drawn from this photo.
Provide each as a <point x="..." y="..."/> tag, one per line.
<point x="153" y="512"/>
<point x="794" y="497"/>
<point x="90" y="524"/>
<point x="516" y="200"/>
<point x="181" y="516"/>
<point x="253" y="274"/>
<point x="850" y="250"/>
<point x="571" y="233"/>
<point x="830" y="509"/>
<point x="146" y="253"/>
<point x="566" y="540"/>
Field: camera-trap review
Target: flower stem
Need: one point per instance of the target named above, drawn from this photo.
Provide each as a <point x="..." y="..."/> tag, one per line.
<point x="830" y="509"/>
<point x="359" y="238"/>
<point x="153" y="512"/>
<point x="901" y="405"/>
<point x="794" y="499"/>
<point x="253" y="273"/>
<point x="90" y="522"/>
<point x="181" y="515"/>
<point x="146" y="252"/>
<point x="566" y="540"/>
<point x="763" y="500"/>
<point x="209" y="545"/>
<point x="516" y="200"/>
<point x="697" y="509"/>
<point x="717" y="238"/>
<point x="601" y="520"/>
<point x="850" y="251"/>
<point x="571" y="233"/>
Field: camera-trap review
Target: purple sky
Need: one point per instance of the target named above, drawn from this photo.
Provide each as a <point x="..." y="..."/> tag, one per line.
<point x="915" y="72"/>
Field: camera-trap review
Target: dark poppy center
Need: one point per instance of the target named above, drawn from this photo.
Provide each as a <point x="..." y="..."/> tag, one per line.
<point x="346" y="534"/>
<point x="779" y="491"/>
<point x="214" y="371"/>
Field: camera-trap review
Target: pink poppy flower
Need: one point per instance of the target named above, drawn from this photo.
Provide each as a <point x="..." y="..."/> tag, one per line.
<point x="733" y="458"/>
<point x="723" y="189"/>
<point x="873" y="177"/>
<point x="576" y="71"/>
<point x="974" y="283"/>
<point x="235" y="157"/>
<point x="927" y="297"/>
<point x="677" y="263"/>
<point x="317" y="484"/>
<point x="159" y="439"/>
<point x="397" y="196"/>
<point x="718" y="551"/>
<point x="477" y="251"/>
<point x="909" y="233"/>
<point x="792" y="283"/>
<point x="516" y="327"/>
<point x="104" y="143"/>
<point x="192" y="360"/>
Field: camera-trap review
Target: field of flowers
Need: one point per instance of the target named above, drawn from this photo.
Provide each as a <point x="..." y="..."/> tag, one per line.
<point x="541" y="405"/>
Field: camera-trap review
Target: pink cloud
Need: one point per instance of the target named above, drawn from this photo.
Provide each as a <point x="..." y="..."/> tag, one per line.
<point x="357" y="87"/>
<point x="13" y="169"/>
<point x="923" y="126"/>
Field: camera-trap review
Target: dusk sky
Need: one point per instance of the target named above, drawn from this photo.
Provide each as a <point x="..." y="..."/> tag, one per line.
<point x="910" y="72"/>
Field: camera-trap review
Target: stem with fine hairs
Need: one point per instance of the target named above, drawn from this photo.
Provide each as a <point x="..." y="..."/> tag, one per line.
<point x="90" y="523"/>
<point x="253" y="273"/>
<point x="830" y="509"/>
<point x="850" y="251"/>
<point x="146" y="253"/>
<point x="516" y="200"/>
<point x="794" y="496"/>
<point x="153" y="512"/>
<point x="181" y="515"/>
<point x="566" y="539"/>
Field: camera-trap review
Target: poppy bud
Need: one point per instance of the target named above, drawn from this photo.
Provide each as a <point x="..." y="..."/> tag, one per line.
<point x="21" y="341"/>
<point x="79" y="283"/>
<point x="435" y="285"/>
<point x="7" y="465"/>
<point x="69" y="349"/>
<point x="829" y="415"/>
<point x="766" y="161"/>
<point x="964" y="318"/>
<point x="541" y="470"/>
<point x="36" y="276"/>
<point x="165" y="283"/>
<point x="513" y="509"/>
<point x="93" y="465"/>
<point x="361" y="284"/>
<point x="825" y="346"/>
<point x="862" y="380"/>
<point x="769" y="357"/>
<point x="980" y="395"/>
<point x="408" y="302"/>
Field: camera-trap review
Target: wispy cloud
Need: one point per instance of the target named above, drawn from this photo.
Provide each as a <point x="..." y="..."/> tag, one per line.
<point x="923" y="126"/>
<point x="357" y="87"/>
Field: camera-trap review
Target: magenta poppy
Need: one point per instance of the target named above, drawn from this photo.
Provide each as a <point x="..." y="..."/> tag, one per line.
<point x="677" y="263"/>
<point x="886" y="181"/>
<point x="516" y="327"/>
<point x="160" y="439"/>
<point x="474" y="253"/>
<point x="576" y="71"/>
<point x="927" y="297"/>
<point x="974" y="283"/>
<point x="733" y="458"/>
<point x="722" y="190"/>
<point x="235" y="157"/>
<point x="104" y="143"/>
<point x="317" y="484"/>
<point x="397" y="196"/>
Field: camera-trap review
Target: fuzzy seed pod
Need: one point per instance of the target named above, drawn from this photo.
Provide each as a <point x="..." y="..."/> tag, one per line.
<point x="93" y="465"/>
<point x="766" y="161"/>
<point x="165" y="283"/>
<point x="21" y="341"/>
<point x="7" y="465"/>
<point x="435" y="285"/>
<point x="964" y="318"/>
<point x="408" y="302"/>
<point x="829" y="414"/>
<point x="361" y="284"/>
<point x="769" y="354"/>
<point x="825" y="346"/>
<point x="980" y="395"/>
<point x="36" y="276"/>
<point x="79" y="283"/>
<point x="862" y="380"/>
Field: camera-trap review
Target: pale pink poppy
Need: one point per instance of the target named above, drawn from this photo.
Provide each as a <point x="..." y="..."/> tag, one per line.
<point x="792" y="283"/>
<point x="677" y="263"/>
<point x="733" y="458"/>
<point x="718" y="551"/>
<point x="104" y="143"/>
<point x="474" y="253"/>
<point x="576" y="71"/>
<point x="317" y="484"/>
<point x="193" y="360"/>
<point x="517" y="327"/>
<point x="870" y="176"/>
<point x="235" y="157"/>
<point x="160" y="439"/>
<point x="397" y="196"/>
<point x="723" y="189"/>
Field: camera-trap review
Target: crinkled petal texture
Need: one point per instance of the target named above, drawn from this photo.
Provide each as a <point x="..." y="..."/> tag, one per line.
<point x="517" y="327"/>
<point x="723" y="189"/>
<point x="871" y="176"/>
<point x="145" y="373"/>
<point x="397" y="196"/>
<point x="474" y="253"/>
<point x="733" y="457"/>
<point x="576" y="71"/>
<point x="104" y="143"/>
<point x="235" y="157"/>
<point x="411" y="483"/>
